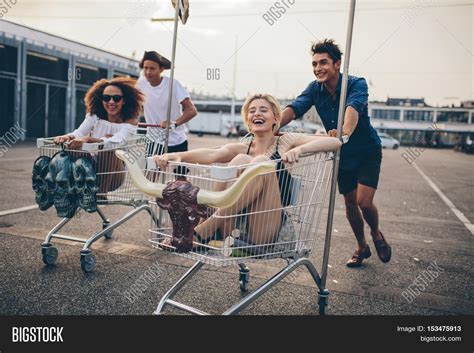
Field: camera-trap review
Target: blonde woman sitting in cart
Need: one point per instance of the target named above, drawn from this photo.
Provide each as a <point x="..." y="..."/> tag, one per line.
<point x="113" y="107"/>
<point x="262" y="116"/>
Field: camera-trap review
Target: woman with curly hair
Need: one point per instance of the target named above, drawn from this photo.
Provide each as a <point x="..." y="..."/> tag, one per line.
<point x="113" y="107"/>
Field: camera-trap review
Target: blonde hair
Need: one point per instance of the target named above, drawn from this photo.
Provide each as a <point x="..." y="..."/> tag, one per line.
<point x="270" y="99"/>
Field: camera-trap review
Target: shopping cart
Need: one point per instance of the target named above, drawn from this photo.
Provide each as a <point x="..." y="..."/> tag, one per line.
<point x="238" y="242"/>
<point x="157" y="137"/>
<point x="115" y="188"/>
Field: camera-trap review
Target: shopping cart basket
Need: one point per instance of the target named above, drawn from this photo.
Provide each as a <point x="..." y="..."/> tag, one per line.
<point x="244" y="234"/>
<point x="115" y="188"/>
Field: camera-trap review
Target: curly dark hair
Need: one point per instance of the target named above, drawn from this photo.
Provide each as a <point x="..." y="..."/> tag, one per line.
<point x="327" y="46"/>
<point x="132" y="96"/>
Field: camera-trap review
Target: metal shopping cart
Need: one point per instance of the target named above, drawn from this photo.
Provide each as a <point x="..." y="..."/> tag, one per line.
<point x="244" y="235"/>
<point x="114" y="188"/>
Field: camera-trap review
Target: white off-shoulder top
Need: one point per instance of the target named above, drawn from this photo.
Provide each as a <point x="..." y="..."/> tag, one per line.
<point x="98" y="128"/>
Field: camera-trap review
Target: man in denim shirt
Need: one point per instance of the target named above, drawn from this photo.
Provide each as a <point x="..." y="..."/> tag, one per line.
<point x="361" y="153"/>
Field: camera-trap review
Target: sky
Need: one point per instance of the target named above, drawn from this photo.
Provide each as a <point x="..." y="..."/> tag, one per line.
<point x="416" y="49"/>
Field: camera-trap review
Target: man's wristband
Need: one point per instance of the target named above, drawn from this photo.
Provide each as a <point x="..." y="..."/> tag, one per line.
<point x="344" y="139"/>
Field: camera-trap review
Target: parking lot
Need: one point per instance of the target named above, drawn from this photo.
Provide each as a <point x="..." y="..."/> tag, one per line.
<point x="426" y="213"/>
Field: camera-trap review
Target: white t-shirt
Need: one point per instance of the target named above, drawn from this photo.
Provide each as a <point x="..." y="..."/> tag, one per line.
<point x="94" y="127"/>
<point x="156" y="107"/>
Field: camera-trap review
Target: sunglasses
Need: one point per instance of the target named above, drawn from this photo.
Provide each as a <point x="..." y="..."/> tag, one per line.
<point x="117" y="98"/>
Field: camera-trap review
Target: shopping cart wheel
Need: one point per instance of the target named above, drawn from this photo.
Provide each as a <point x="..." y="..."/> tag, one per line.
<point x="244" y="275"/>
<point x="108" y="234"/>
<point x="323" y="301"/>
<point x="50" y="254"/>
<point x="88" y="262"/>
<point x="244" y="285"/>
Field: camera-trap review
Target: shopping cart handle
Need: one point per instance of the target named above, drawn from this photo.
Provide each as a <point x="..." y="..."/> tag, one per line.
<point x="88" y="147"/>
<point x="144" y="125"/>
<point x="148" y="125"/>
<point x="150" y="163"/>
<point x="223" y="173"/>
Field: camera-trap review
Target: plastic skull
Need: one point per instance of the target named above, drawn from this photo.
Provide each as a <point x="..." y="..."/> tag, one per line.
<point x="86" y="184"/>
<point x="43" y="197"/>
<point x="60" y="181"/>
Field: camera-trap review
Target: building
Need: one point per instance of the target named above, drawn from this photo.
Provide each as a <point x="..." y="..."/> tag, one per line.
<point x="468" y="104"/>
<point x="407" y="102"/>
<point x="413" y="122"/>
<point x="44" y="78"/>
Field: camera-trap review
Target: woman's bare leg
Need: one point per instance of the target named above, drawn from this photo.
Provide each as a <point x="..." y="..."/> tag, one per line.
<point x="263" y="223"/>
<point x="260" y="195"/>
<point x="209" y="226"/>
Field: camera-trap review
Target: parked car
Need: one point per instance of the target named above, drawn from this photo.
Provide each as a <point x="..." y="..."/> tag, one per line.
<point x="388" y="141"/>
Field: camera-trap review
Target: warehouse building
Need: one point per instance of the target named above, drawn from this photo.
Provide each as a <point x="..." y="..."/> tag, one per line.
<point x="44" y="78"/>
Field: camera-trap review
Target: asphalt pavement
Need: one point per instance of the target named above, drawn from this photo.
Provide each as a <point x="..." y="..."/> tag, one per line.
<point x="426" y="214"/>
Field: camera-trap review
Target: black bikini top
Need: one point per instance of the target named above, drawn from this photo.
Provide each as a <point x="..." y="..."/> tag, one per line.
<point x="284" y="177"/>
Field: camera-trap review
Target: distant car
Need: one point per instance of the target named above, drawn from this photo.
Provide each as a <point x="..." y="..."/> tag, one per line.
<point x="388" y="141"/>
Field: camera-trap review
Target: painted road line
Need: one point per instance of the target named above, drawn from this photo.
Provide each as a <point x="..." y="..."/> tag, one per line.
<point x="447" y="201"/>
<point x="18" y="210"/>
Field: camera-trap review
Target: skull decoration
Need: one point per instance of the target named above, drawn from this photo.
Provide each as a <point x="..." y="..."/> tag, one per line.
<point x="86" y="184"/>
<point x="43" y="197"/>
<point x="60" y="180"/>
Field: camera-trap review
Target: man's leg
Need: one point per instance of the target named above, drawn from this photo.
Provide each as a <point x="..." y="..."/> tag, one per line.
<point x="347" y="181"/>
<point x="368" y="178"/>
<point x="355" y="219"/>
<point x="365" y="200"/>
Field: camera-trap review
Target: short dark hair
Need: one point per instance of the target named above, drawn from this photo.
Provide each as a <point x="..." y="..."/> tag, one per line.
<point x="156" y="57"/>
<point x="327" y="46"/>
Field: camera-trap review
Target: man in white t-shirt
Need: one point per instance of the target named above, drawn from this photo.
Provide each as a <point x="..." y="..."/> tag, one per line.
<point x="156" y="89"/>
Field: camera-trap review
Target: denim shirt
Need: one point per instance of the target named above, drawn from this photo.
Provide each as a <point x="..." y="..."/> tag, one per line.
<point x="364" y="139"/>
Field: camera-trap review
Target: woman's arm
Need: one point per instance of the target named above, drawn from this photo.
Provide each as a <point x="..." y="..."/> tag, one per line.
<point x="302" y="143"/>
<point x="222" y="154"/>
<point x="127" y="130"/>
<point x="86" y="127"/>
<point x="83" y="130"/>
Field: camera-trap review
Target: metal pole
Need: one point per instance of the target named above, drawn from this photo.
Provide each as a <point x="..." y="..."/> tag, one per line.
<point x="170" y="91"/>
<point x="170" y="97"/>
<point x="340" y="122"/>
<point x="232" y="108"/>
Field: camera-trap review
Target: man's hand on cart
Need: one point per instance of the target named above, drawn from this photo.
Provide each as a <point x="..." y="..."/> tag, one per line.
<point x="291" y="156"/>
<point x="162" y="160"/>
<point x="164" y="124"/>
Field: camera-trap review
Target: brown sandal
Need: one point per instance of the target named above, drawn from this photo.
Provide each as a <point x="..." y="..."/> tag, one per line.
<point x="356" y="259"/>
<point x="383" y="249"/>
